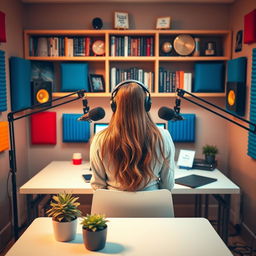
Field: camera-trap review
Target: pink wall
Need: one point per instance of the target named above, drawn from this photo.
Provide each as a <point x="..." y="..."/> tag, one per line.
<point x="14" y="30"/>
<point x="242" y="168"/>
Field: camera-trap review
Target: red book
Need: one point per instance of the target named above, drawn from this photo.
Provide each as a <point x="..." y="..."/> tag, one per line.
<point x="2" y="27"/>
<point x="250" y="27"/>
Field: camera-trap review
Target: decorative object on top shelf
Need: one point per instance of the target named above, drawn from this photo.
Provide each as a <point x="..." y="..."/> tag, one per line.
<point x="94" y="231"/>
<point x="121" y="20"/>
<point x="239" y="41"/>
<point x="97" y="23"/>
<point x="97" y="83"/>
<point x="98" y="47"/>
<point x="210" y="152"/>
<point x="166" y="47"/>
<point x="2" y="27"/>
<point x="197" y="47"/>
<point x="184" y="44"/>
<point x="163" y="23"/>
<point x="64" y="212"/>
<point x="250" y="27"/>
<point x="210" y="49"/>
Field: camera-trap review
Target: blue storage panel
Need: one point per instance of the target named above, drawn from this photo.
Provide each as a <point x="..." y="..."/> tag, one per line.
<point x="236" y="70"/>
<point x="74" y="76"/>
<point x="252" y="137"/>
<point x="3" y="97"/>
<point x="73" y="130"/>
<point x="209" y="77"/>
<point x="183" y="130"/>
<point x="20" y="70"/>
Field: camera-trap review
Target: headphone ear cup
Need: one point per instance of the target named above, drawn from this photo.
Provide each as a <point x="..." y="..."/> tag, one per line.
<point x="148" y="103"/>
<point x="113" y="105"/>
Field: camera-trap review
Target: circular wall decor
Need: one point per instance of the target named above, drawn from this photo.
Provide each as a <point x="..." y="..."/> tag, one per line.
<point x="98" y="47"/>
<point x="184" y="44"/>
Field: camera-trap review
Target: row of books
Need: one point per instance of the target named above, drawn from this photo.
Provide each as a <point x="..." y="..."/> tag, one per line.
<point x="60" y="46"/>
<point x="47" y="46"/>
<point x="118" y="75"/>
<point x="131" y="46"/>
<point x="169" y="81"/>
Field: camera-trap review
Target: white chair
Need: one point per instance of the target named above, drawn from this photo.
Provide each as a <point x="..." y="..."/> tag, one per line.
<point x="113" y="203"/>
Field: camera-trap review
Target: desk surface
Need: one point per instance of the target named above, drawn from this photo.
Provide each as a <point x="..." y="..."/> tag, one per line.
<point x="60" y="176"/>
<point x="128" y="236"/>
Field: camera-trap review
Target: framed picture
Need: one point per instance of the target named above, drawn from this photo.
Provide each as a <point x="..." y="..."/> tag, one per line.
<point x="97" y="83"/>
<point x="121" y="20"/>
<point x="239" y="41"/>
<point x="163" y="23"/>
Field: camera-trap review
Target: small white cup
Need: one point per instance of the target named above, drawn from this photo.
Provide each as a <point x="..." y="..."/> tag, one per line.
<point x="77" y="158"/>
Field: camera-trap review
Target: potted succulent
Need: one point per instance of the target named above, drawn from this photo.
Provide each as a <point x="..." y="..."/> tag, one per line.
<point x="64" y="213"/>
<point x="210" y="152"/>
<point x="94" y="231"/>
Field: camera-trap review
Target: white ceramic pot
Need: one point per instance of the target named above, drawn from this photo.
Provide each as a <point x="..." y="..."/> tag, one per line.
<point x="64" y="231"/>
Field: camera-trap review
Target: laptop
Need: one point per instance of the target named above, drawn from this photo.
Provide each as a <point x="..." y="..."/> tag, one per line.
<point x="101" y="126"/>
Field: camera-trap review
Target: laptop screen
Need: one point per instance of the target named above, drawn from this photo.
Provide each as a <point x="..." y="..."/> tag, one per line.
<point x="100" y="126"/>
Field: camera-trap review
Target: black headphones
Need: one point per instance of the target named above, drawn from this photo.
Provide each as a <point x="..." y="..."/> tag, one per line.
<point x="147" y="103"/>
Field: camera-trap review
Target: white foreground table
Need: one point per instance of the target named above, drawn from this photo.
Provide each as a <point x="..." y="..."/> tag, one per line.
<point x="129" y="237"/>
<point x="60" y="176"/>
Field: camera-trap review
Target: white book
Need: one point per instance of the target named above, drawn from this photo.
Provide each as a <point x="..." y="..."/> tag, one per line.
<point x="113" y="53"/>
<point x="70" y="47"/>
<point x="140" y="75"/>
<point x="126" y="46"/>
<point x="146" y="79"/>
<point x="113" y="78"/>
<point x="188" y="82"/>
<point x="56" y="46"/>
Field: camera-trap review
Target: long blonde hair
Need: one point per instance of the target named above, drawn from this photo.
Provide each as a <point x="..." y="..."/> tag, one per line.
<point x="129" y="142"/>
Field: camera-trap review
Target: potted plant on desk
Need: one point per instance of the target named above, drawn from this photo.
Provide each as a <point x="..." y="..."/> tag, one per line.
<point x="94" y="231"/>
<point x="64" y="213"/>
<point x="210" y="152"/>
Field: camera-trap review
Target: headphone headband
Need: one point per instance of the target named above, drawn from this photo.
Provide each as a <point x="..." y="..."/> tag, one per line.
<point x="145" y="89"/>
<point x="116" y="88"/>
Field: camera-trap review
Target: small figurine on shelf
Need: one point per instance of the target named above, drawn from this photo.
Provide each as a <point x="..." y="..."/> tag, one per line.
<point x="210" y="51"/>
<point x="197" y="47"/>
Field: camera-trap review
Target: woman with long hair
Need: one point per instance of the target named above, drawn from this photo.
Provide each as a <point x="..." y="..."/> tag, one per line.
<point x="132" y="153"/>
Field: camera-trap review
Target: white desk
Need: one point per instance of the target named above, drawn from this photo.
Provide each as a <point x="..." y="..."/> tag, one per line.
<point x="60" y="176"/>
<point x="128" y="236"/>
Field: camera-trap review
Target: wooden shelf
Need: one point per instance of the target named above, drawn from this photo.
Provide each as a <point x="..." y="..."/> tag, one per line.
<point x="103" y="64"/>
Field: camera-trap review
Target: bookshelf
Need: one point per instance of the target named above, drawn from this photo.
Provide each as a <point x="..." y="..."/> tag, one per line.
<point x="150" y="59"/>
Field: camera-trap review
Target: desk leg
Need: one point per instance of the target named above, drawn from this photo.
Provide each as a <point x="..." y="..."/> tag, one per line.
<point x="226" y="215"/>
<point x="198" y="205"/>
<point x="29" y="209"/>
<point x="206" y="205"/>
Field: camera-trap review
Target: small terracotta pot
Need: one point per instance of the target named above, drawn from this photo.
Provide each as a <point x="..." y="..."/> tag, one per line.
<point x="95" y="241"/>
<point x="64" y="231"/>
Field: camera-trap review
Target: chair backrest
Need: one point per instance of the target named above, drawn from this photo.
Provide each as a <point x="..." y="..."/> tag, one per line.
<point x="113" y="203"/>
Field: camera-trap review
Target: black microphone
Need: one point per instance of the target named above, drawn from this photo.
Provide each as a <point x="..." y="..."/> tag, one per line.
<point x="169" y="114"/>
<point x="93" y="115"/>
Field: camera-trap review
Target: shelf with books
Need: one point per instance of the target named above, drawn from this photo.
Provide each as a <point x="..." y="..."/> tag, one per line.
<point x="146" y="54"/>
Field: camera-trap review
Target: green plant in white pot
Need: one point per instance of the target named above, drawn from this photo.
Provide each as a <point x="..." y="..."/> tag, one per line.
<point x="64" y="212"/>
<point x="210" y="152"/>
<point x="94" y="231"/>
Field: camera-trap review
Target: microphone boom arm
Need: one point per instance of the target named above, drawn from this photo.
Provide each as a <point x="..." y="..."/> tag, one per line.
<point x="181" y="93"/>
